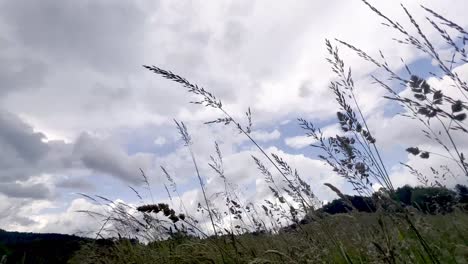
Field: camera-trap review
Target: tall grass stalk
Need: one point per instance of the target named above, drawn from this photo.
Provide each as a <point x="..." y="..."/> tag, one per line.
<point x="188" y="143"/>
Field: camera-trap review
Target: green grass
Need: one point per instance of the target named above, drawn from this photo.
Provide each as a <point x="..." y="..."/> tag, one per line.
<point x="343" y="238"/>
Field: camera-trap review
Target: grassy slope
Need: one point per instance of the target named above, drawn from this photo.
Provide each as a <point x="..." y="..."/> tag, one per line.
<point x="345" y="238"/>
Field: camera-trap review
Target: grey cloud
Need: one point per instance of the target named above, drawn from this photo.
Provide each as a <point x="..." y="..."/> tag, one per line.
<point x="305" y="89"/>
<point x="233" y="35"/>
<point x="77" y="58"/>
<point x="199" y="37"/>
<point x="20" y="138"/>
<point x="185" y="59"/>
<point x="75" y="184"/>
<point x="105" y="157"/>
<point x="95" y="58"/>
<point x="105" y="93"/>
<point x="17" y="74"/>
<point x="241" y="7"/>
<point x="10" y="212"/>
<point x="26" y="157"/>
<point x="106" y="96"/>
<point x="100" y="33"/>
<point x="35" y="191"/>
<point x="23" y="220"/>
<point x="24" y="154"/>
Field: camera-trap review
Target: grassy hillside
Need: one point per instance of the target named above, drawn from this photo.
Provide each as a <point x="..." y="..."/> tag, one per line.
<point x="341" y="238"/>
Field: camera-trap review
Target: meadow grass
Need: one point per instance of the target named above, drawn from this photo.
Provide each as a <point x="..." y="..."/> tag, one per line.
<point x="291" y="228"/>
<point x="342" y="238"/>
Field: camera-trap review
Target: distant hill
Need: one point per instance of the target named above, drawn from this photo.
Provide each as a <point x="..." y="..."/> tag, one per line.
<point x="38" y="248"/>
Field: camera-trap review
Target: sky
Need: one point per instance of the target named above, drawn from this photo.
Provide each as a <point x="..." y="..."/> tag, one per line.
<point x="79" y="113"/>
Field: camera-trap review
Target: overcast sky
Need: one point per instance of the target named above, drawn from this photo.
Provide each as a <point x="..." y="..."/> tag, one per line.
<point x="79" y="113"/>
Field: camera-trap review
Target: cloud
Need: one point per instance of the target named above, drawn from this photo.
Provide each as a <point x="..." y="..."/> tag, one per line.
<point x="159" y="141"/>
<point x="20" y="139"/>
<point x="264" y="136"/>
<point x="94" y="74"/>
<point x="19" y="73"/>
<point x="305" y="89"/>
<point x="93" y="33"/>
<point x="26" y="156"/>
<point x="15" y="214"/>
<point x="75" y="184"/>
<point x="19" y="190"/>
<point x="299" y="142"/>
<point x="72" y="220"/>
<point x="105" y="157"/>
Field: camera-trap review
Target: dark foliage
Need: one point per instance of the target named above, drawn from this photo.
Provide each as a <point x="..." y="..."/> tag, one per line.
<point x="359" y="203"/>
<point x="433" y="200"/>
<point x="429" y="200"/>
<point x="38" y="248"/>
<point x="462" y="193"/>
<point x="403" y="194"/>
